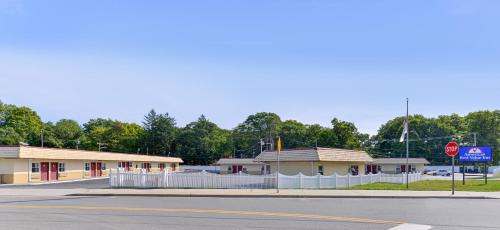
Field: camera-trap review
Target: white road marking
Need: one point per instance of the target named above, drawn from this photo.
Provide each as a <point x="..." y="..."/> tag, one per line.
<point x="411" y="227"/>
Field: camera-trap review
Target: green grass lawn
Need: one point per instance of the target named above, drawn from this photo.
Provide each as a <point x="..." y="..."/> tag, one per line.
<point x="435" y="185"/>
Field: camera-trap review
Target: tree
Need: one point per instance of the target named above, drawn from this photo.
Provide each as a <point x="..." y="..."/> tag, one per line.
<point x="68" y="132"/>
<point x="114" y="136"/>
<point x="203" y="142"/>
<point x="159" y="133"/>
<point x="257" y="127"/>
<point x="487" y="126"/>
<point x="9" y="136"/>
<point x="293" y="134"/>
<point x="22" y="120"/>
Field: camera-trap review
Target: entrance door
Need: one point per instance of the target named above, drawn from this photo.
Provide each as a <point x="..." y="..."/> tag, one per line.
<point x="92" y="169"/>
<point x="44" y="171"/>
<point x="237" y="168"/>
<point x="54" y="168"/>
<point x="403" y="168"/>
<point x="99" y="169"/>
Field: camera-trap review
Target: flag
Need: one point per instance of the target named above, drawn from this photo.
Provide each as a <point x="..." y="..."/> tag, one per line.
<point x="279" y="145"/>
<point x="405" y="131"/>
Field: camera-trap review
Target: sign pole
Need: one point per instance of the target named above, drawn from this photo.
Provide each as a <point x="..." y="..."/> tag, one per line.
<point x="463" y="173"/>
<point x="452" y="149"/>
<point x="453" y="175"/>
<point x="485" y="173"/>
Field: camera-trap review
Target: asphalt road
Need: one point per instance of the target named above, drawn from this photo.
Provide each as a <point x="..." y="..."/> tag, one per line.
<point x="242" y="213"/>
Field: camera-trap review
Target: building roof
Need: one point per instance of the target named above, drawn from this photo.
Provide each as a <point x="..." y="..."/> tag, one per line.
<point x="317" y="154"/>
<point x="397" y="161"/>
<point x="238" y="161"/>
<point x="29" y="152"/>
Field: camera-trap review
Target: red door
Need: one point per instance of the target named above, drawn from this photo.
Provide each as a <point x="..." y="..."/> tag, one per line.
<point x="162" y="166"/>
<point x="53" y="170"/>
<point x="127" y="168"/>
<point x="44" y="171"/>
<point x="403" y="168"/>
<point x="173" y="166"/>
<point x="99" y="169"/>
<point x="237" y="168"/>
<point x="92" y="169"/>
<point x="148" y="167"/>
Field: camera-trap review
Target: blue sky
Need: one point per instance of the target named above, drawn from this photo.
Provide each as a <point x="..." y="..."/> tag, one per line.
<point x="307" y="60"/>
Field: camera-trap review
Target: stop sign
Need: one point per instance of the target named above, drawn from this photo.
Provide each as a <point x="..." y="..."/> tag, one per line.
<point x="451" y="149"/>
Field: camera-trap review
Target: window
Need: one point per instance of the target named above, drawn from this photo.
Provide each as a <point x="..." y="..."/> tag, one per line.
<point x="354" y="170"/>
<point x="87" y="166"/>
<point x="320" y="169"/>
<point x="119" y="164"/>
<point x="35" y="167"/>
<point x="62" y="167"/>
<point x="229" y="169"/>
<point x="268" y="169"/>
<point x="103" y="166"/>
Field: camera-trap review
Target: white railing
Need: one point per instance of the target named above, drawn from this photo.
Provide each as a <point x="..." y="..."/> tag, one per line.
<point x="204" y="180"/>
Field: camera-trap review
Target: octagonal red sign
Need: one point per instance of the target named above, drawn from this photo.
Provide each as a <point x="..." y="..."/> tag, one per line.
<point x="451" y="149"/>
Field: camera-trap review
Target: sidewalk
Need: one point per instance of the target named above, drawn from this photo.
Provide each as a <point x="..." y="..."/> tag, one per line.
<point x="286" y="193"/>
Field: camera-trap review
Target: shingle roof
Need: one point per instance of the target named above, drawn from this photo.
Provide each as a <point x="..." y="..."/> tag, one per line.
<point x="318" y="154"/>
<point x="238" y="161"/>
<point x="30" y="152"/>
<point x="389" y="161"/>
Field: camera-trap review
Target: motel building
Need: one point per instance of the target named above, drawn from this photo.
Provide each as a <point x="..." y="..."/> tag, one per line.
<point x="314" y="161"/>
<point x="26" y="164"/>
<point x="397" y="165"/>
<point x="244" y="165"/>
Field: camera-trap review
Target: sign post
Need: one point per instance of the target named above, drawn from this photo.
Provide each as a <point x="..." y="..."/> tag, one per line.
<point x="451" y="149"/>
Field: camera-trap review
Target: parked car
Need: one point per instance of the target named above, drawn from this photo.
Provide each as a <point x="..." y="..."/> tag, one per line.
<point x="430" y="172"/>
<point x="441" y="172"/>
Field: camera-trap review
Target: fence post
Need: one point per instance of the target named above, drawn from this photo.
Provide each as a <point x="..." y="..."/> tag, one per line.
<point x="319" y="180"/>
<point x="348" y="180"/>
<point x="336" y="179"/>
<point x="164" y="178"/>
<point x="371" y="177"/>
<point x="143" y="178"/>
<point x="111" y="177"/>
<point x="119" y="180"/>
<point x="300" y="180"/>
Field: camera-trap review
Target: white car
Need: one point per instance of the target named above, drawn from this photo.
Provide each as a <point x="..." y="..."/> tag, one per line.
<point x="441" y="172"/>
<point x="430" y="172"/>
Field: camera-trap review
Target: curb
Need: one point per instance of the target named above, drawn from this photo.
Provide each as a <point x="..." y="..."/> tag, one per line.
<point x="278" y="196"/>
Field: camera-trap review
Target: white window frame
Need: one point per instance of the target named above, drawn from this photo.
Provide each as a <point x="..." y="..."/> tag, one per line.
<point x="63" y="167"/>
<point x="35" y="166"/>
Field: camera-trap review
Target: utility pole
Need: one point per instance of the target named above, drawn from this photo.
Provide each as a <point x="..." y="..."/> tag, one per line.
<point x="41" y="134"/>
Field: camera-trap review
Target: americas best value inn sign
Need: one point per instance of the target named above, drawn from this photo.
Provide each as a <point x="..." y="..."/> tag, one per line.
<point x="475" y="154"/>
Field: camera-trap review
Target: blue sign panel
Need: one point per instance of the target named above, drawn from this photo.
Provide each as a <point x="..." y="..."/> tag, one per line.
<point x="475" y="154"/>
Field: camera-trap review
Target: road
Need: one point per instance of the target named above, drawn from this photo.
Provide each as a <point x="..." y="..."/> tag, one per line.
<point x="243" y="213"/>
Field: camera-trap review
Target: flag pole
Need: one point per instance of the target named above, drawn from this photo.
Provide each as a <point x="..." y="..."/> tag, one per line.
<point x="278" y="150"/>
<point x="407" y="143"/>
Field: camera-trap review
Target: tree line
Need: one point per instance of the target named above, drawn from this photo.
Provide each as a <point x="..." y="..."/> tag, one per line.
<point x="203" y="142"/>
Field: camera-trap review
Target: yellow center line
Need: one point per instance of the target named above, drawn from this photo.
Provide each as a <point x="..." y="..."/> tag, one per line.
<point x="209" y="211"/>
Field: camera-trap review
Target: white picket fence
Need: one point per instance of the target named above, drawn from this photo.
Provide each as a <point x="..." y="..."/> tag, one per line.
<point x="204" y="180"/>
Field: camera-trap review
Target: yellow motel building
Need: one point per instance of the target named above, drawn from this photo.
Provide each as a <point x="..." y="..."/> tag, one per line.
<point x="310" y="162"/>
<point x="26" y="164"/>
